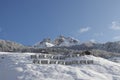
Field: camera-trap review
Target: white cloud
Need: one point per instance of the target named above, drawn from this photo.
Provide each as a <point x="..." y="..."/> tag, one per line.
<point x="116" y="38"/>
<point x="115" y="25"/>
<point x="86" y="29"/>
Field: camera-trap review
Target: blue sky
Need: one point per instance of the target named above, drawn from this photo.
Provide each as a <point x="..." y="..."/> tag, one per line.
<point x="29" y="21"/>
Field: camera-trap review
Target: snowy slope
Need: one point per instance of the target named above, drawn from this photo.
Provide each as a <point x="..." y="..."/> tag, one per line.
<point x="18" y="66"/>
<point x="44" y="45"/>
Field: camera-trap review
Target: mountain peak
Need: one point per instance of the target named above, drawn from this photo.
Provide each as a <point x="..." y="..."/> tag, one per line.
<point x="44" y="43"/>
<point x="65" y="41"/>
<point x="59" y="41"/>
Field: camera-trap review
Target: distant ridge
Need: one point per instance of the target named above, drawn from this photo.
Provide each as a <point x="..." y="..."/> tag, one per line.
<point x="59" y="42"/>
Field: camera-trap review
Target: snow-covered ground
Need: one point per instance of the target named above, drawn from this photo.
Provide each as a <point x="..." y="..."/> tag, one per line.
<point x="19" y="66"/>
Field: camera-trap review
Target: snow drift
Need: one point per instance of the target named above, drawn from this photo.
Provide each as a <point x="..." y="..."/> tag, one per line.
<point x="19" y="66"/>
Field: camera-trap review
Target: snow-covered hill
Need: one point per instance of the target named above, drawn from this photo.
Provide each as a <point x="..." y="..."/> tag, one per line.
<point x="6" y="45"/>
<point x="19" y="66"/>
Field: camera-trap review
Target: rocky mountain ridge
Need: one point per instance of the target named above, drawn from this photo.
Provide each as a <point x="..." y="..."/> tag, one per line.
<point x="57" y="42"/>
<point x="60" y="43"/>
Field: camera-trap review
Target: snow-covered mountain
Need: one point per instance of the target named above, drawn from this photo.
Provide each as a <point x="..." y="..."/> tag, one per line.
<point x="108" y="46"/>
<point x="19" y="66"/>
<point x="62" y="41"/>
<point x="65" y="41"/>
<point x="45" y="43"/>
<point x="58" y="42"/>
